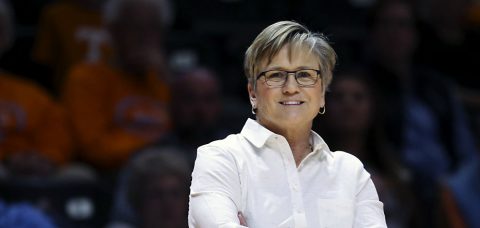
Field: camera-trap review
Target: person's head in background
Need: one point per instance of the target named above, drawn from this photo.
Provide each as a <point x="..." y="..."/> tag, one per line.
<point x="393" y="35"/>
<point x="6" y="27"/>
<point x="137" y="29"/>
<point x="196" y="104"/>
<point x="158" y="188"/>
<point x="349" y="121"/>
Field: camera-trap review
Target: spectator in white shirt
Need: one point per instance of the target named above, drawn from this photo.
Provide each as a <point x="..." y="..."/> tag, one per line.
<point x="277" y="172"/>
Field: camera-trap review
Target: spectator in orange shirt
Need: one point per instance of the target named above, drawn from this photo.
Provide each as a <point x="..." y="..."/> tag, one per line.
<point x="70" y="32"/>
<point x="121" y="107"/>
<point x="34" y="138"/>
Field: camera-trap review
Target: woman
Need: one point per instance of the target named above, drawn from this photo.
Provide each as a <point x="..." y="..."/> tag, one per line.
<point x="277" y="172"/>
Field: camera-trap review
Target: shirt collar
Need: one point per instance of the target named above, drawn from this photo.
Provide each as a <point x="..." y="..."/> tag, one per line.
<point x="258" y="136"/>
<point x="256" y="133"/>
<point x="320" y="146"/>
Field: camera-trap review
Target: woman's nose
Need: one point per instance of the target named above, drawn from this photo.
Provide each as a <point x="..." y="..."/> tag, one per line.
<point x="291" y="85"/>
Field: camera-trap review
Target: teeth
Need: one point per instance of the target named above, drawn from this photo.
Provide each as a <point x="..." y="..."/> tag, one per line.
<point x="291" y="102"/>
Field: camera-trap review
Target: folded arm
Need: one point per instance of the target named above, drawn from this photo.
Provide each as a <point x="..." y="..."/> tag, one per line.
<point x="216" y="191"/>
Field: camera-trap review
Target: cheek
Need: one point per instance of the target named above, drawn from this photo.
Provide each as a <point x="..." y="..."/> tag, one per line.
<point x="263" y="97"/>
<point x="263" y="103"/>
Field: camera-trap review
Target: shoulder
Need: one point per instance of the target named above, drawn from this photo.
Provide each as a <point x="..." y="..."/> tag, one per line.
<point x="351" y="171"/>
<point x="344" y="157"/>
<point x="229" y="146"/>
<point x="220" y="157"/>
<point x="347" y="162"/>
<point x="23" y="87"/>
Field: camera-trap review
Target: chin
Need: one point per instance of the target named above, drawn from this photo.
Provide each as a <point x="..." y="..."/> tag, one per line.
<point x="296" y="120"/>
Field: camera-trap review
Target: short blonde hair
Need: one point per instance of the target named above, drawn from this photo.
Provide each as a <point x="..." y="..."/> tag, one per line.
<point x="273" y="38"/>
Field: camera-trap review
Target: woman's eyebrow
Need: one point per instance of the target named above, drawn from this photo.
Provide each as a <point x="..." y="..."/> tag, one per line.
<point x="285" y="69"/>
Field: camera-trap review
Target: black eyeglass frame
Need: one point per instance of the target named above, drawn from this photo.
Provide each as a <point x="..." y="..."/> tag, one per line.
<point x="288" y="73"/>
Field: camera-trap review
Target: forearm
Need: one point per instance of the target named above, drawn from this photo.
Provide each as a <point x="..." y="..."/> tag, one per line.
<point x="212" y="210"/>
<point x="216" y="191"/>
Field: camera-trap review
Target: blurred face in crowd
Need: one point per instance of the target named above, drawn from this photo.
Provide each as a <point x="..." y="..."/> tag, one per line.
<point x="196" y="100"/>
<point x="165" y="203"/>
<point x="137" y="37"/>
<point x="393" y="34"/>
<point x="290" y="105"/>
<point x="349" y="106"/>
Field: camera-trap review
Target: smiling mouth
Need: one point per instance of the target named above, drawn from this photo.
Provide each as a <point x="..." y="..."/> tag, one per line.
<point x="291" y="102"/>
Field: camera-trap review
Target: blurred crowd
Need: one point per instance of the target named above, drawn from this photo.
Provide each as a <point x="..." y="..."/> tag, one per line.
<point x="104" y="102"/>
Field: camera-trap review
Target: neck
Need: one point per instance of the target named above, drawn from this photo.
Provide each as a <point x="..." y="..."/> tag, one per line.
<point x="298" y="138"/>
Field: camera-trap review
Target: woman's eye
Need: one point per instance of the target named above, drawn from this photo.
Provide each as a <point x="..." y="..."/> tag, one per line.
<point x="275" y="75"/>
<point x="303" y="74"/>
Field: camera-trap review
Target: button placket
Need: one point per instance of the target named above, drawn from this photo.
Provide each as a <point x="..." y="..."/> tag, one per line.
<point x="293" y="181"/>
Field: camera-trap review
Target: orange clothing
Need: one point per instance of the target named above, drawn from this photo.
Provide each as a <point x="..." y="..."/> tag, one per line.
<point x="69" y="34"/>
<point x="114" y="115"/>
<point x="31" y="122"/>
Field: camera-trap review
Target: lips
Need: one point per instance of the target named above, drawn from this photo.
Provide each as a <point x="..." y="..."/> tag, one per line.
<point x="291" y="102"/>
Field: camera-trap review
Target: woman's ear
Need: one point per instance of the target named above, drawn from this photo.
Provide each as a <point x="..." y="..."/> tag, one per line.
<point x="322" y="99"/>
<point x="252" y="95"/>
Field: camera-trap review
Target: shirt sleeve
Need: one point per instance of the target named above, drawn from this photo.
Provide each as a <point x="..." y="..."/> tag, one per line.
<point x="368" y="208"/>
<point x="215" y="193"/>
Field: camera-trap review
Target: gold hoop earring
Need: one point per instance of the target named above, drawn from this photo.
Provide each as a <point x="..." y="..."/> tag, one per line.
<point x="322" y="110"/>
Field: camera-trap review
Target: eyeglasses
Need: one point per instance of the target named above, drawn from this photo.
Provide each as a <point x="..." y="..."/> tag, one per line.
<point x="277" y="78"/>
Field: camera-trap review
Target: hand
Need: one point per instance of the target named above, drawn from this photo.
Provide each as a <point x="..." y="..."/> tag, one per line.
<point x="243" y="222"/>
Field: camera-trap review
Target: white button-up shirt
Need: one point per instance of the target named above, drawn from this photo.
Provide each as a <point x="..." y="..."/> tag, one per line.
<point x="254" y="173"/>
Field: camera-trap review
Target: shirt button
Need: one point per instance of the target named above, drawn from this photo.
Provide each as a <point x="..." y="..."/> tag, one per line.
<point x="295" y="187"/>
